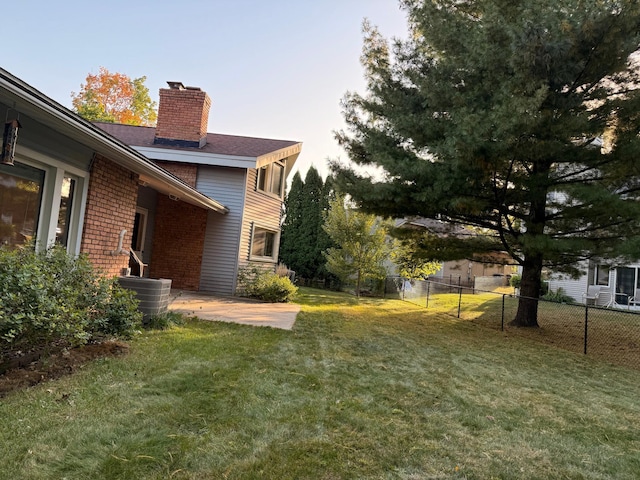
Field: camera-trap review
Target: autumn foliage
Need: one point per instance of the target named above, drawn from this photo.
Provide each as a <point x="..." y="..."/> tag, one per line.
<point x="115" y="98"/>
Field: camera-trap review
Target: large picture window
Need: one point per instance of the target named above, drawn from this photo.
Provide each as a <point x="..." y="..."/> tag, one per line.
<point x="20" y="199"/>
<point x="264" y="244"/>
<point x="271" y="178"/>
<point x="41" y="200"/>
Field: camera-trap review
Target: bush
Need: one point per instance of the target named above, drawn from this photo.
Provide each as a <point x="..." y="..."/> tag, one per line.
<point x="51" y="297"/>
<point x="558" y="296"/>
<point x="515" y="281"/>
<point x="265" y="285"/>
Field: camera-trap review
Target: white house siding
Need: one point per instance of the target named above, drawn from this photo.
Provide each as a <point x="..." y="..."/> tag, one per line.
<point x="261" y="209"/>
<point x="573" y="287"/>
<point x="220" y="256"/>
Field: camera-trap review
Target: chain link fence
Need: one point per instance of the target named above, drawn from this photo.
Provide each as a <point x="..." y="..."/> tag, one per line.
<point x="609" y="334"/>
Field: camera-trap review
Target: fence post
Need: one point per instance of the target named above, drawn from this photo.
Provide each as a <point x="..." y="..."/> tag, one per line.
<point x="428" y="287"/>
<point x="502" y="321"/>
<point x="402" y="288"/>
<point x="586" y="323"/>
<point x="459" y="298"/>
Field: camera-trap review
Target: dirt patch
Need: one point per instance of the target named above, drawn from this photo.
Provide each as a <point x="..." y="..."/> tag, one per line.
<point x="58" y="365"/>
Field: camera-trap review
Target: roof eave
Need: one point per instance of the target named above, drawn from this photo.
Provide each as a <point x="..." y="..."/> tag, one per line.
<point x="44" y="109"/>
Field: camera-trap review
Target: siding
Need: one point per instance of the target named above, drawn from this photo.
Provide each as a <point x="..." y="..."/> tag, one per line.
<point x="220" y="255"/>
<point x="263" y="210"/>
<point x="574" y="287"/>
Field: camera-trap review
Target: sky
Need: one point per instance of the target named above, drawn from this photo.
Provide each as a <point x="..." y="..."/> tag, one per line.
<point x="273" y="69"/>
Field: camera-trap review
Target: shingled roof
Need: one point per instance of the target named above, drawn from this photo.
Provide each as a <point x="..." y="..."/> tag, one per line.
<point x="216" y="143"/>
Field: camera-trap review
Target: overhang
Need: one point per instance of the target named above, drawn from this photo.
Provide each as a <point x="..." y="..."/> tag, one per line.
<point x="30" y="102"/>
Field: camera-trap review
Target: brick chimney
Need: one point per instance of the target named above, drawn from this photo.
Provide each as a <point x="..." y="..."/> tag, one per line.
<point x="183" y="115"/>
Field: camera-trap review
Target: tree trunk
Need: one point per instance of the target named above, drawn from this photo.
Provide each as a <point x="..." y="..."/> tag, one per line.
<point x="527" y="315"/>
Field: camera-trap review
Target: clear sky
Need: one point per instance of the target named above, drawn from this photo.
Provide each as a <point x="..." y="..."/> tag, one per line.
<point x="273" y="68"/>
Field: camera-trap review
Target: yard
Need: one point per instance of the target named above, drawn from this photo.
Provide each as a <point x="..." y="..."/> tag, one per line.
<point x="375" y="389"/>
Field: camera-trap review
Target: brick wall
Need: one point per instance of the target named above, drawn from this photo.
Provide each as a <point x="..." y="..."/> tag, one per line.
<point x="188" y="173"/>
<point x="178" y="243"/>
<point x="111" y="206"/>
<point x="183" y="114"/>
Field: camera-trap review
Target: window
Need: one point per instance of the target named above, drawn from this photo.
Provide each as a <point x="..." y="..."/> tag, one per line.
<point x="602" y="275"/>
<point x="263" y="244"/>
<point x="271" y="178"/>
<point x="20" y="198"/>
<point x="41" y="199"/>
<point x="64" y="214"/>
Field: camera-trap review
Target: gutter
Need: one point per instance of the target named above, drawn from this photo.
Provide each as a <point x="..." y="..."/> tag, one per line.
<point x="79" y="129"/>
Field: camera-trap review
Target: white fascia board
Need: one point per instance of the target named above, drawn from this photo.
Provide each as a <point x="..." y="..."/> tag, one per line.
<point x="292" y="152"/>
<point x="199" y="158"/>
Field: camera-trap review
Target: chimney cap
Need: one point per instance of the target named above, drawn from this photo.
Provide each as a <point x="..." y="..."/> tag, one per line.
<point x="176" y="85"/>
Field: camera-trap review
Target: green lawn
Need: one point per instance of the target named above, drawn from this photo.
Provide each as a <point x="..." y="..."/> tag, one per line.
<point x="376" y="389"/>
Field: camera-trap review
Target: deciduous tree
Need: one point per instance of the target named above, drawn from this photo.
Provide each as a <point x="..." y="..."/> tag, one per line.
<point x="490" y="114"/>
<point x="115" y="98"/>
<point x="361" y="244"/>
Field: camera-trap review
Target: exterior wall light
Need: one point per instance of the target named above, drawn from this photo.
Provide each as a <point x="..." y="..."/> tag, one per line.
<point x="9" y="139"/>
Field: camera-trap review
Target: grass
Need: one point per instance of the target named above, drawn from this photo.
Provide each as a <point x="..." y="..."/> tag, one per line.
<point x="369" y="389"/>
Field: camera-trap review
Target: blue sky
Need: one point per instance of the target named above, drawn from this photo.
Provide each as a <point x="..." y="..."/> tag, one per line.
<point x="274" y="69"/>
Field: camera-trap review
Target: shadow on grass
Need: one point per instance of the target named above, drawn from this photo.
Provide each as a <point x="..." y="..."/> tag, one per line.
<point x="316" y="297"/>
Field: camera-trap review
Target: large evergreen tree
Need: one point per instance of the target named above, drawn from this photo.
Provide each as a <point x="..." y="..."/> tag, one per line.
<point x="310" y="253"/>
<point x="303" y="239"/>
<point x="290" y="233"/>
<point x="490" y="115"/>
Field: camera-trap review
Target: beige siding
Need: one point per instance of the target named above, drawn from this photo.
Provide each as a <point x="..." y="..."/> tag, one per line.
<point x="261" y="209"/>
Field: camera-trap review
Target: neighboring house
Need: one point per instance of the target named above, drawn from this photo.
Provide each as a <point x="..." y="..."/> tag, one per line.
<point x="602" y="284"/>
<point x="247" y="174"/>
<point x="74" y="184"/>
<point x="465" y="270"/>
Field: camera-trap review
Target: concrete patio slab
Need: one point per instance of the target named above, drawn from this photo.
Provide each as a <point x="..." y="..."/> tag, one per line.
<point x="234" y="309"/>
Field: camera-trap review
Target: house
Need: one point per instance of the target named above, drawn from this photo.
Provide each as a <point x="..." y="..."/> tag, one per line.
<point x="602" y="284"/>
<point x="465" y="271"/>
<point x="73" y="183"/>
<point x="247" y="174"/>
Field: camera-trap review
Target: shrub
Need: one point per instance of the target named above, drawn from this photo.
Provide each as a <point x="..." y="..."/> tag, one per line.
<point x="51" y="297"/>
<point x="558" y="296"/>
<point x="265" y="285"/>
<point x="515" y="281"/>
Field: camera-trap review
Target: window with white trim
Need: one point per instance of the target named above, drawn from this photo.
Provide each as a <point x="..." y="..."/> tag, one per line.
<point x="271" y="178"/>
<point x="41" y="199"/>
<point x="21" y="189"/>
<point x="264" y="244"/>
<point x="598" y="274"/>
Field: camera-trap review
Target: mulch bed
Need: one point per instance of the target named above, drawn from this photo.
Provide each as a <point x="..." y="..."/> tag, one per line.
<point x="57" y="365"/>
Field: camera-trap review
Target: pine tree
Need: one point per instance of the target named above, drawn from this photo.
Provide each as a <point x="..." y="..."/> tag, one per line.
<point x="290" y="233"/>
<point x="490" y="114"/>
<point x="311" y="259"/>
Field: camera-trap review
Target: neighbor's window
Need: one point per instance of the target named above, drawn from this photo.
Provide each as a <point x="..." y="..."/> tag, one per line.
<point x="602" y="275"/>
<point x="20" y="194"/>
<point x="263" y="243"/>
<point x="271" y="178"/>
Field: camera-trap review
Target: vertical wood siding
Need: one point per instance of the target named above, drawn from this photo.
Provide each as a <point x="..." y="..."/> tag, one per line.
<point x="220" y="255"/>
